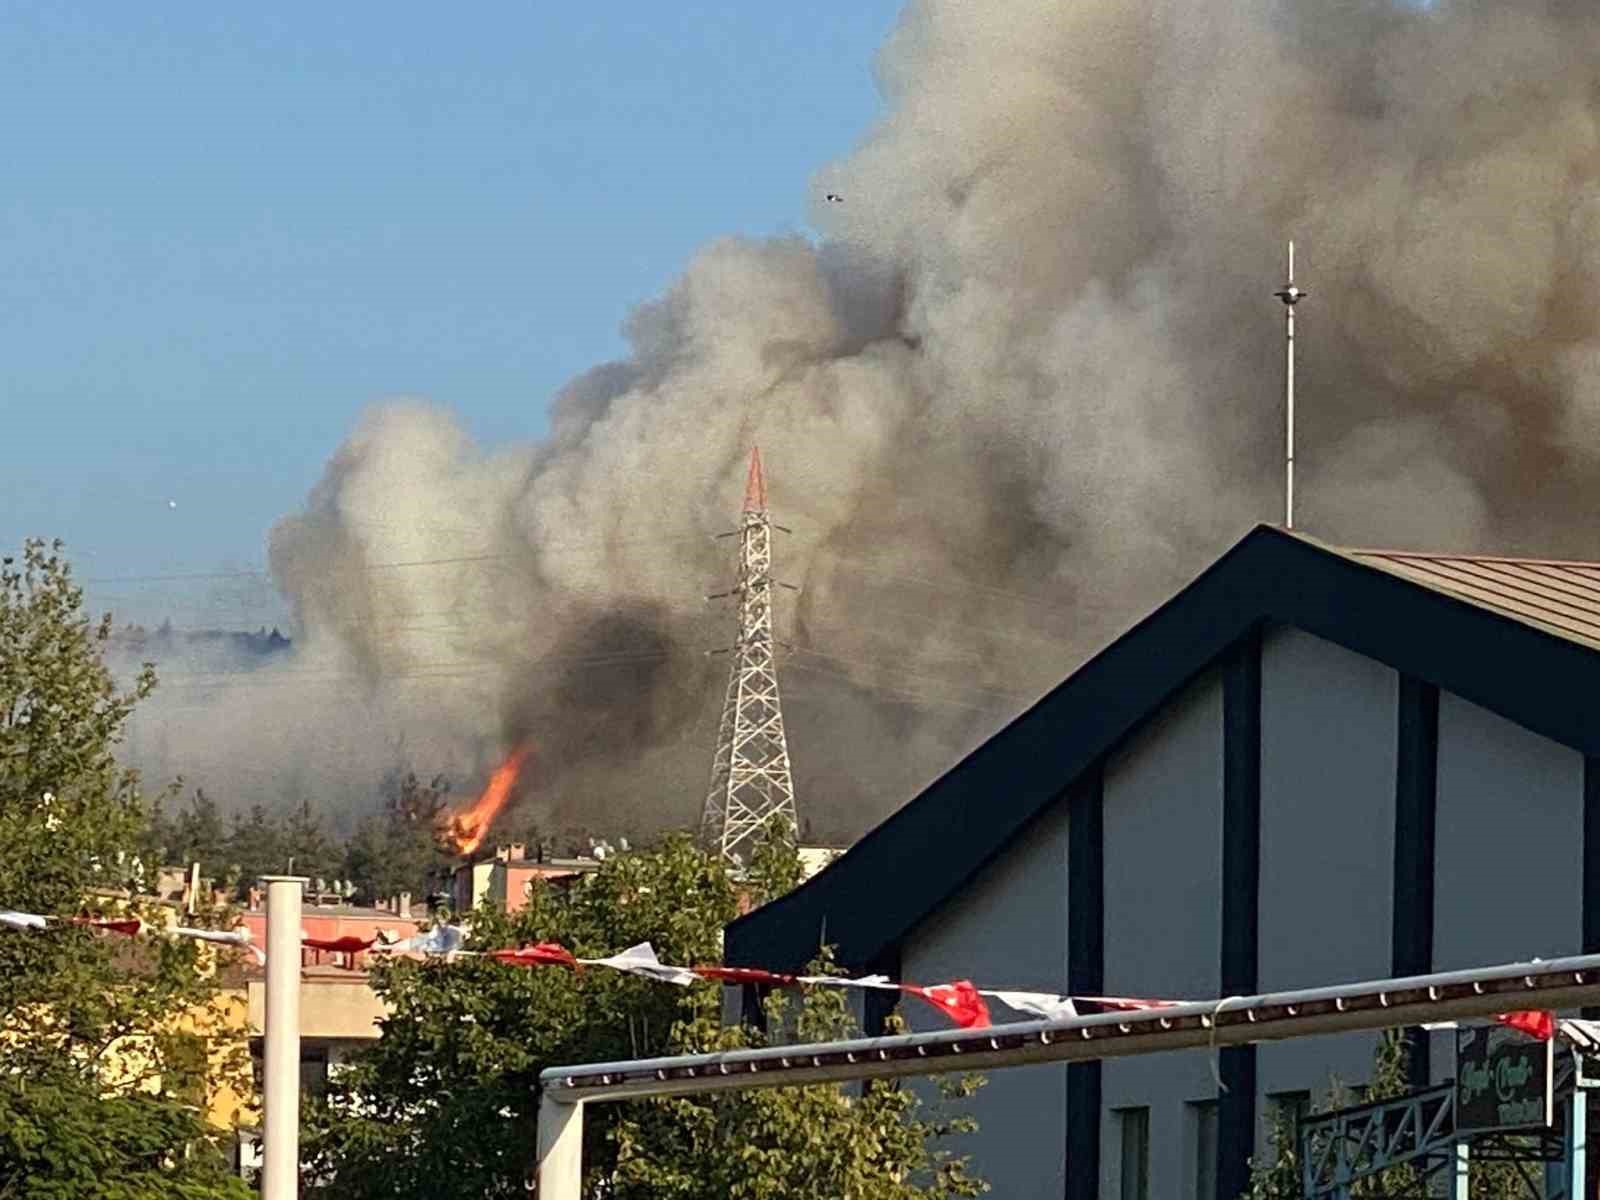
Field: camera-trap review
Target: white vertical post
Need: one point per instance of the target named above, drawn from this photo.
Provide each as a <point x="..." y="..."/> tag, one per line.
<point x="1460" y="1186"/>
<point x="280" y="1159"/>
<point x="1288" y="490"/>
<point x="1290" y="295"/>
<point x="560" y="1149"/>
<point x="1578" y="1142"/>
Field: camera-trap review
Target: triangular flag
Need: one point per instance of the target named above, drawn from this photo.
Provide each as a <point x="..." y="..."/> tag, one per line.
<point x="1126" y="1003"/>
<point x="959" y="1001"/>
<point x="642" y="960"/>
<point x="441" y="939"/>
<point x="743" y="975"/>
<point x="882" y="982"/>
<point x="128" y="926"/>
<point x="348" y="944"/>
<point x="1041" y="1004"/>
<point x="544" y="954"/>
<point x="1536" y="1023"/>
<point x="231" y="937"/>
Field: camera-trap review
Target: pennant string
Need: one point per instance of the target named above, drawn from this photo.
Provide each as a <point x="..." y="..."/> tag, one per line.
<point x="959" y="1001"/>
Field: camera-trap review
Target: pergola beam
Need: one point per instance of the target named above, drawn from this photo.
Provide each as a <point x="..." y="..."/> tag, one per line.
<point x="1379" y="1004"/>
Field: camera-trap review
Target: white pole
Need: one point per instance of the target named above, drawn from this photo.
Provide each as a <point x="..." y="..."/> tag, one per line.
<point x="1288" y="488"/>
<point x="560" y="1149"/>
<point x="1578" y="1143"/>
<point x="1290" y="295"/>
<point x="280" y="1159"/>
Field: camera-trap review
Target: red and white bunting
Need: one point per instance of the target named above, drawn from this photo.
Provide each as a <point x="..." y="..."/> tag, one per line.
<point x="132" y="927"/>
<point x="346" y="944"/>
<point x="544" y="954"/>
<point x="1039" y="1004"/>
<point x="960" y="1001"/>
<point x="1128" y="1003"/>
<point x="441" y="939"/>
<point x="641" y="960"/>
<point x="126" y="926"/>
<point x="239" y="937"/>
<point x="874" y="982"/>
<point x="745" y="975"/>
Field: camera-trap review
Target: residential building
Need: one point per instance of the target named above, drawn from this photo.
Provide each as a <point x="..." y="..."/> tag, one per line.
<point x="505" y="875"/>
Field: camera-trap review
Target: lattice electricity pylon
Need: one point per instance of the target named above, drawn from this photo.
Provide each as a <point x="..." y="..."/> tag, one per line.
<point x="751" y="788"/>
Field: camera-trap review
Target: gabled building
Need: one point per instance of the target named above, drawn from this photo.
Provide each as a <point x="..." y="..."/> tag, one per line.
<point x="1311" y="765"/>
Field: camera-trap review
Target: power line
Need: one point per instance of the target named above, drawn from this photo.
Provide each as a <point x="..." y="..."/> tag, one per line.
<point x="857" y="661"/>
<point x="533" y="552"/>
<point x="273" y="676"/>
<point x="922" y="697"/>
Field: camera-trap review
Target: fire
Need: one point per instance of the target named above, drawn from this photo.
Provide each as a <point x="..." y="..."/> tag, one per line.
<point x="467" y="828"/>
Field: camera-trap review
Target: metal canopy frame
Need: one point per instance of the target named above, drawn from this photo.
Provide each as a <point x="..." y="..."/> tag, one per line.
<point x="1340" y="1147"/>
<point x="1235" y="1020"/>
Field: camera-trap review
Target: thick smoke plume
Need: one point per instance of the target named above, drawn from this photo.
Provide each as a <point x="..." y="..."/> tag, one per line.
<point x="1029" y="380"/>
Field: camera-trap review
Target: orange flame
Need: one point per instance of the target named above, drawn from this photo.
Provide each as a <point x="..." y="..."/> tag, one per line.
<point x="468" y="828"/>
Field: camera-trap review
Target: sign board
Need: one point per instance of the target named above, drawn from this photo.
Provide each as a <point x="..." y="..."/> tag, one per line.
<point x="1504" y="1080"/>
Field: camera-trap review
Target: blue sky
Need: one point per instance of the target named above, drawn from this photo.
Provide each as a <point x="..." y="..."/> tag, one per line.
<point x="226" y="229"/>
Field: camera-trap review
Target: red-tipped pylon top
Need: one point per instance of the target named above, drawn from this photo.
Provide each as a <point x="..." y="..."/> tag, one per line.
<point x="755" y="485"/>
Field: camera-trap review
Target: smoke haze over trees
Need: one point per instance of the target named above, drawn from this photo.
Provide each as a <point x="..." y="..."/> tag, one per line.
<point x="395" y="848"/>
<point x="1027" y="381"/>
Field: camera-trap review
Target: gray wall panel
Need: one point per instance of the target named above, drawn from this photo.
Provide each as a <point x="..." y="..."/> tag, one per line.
<point x="1508" y="880"/>
<point x="1007" y="929"/>
<point x="1509" y="842"/>
<point x="1328" y="738"/>
<point x="1163" y="839"/>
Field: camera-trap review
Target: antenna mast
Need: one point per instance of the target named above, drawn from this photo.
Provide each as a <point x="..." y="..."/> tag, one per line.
<point x="1290" y="295"/>
<point x="751" y="787"/>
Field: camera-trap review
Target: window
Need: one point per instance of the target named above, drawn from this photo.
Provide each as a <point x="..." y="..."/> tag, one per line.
<point x="1203" y="1127"/>
<point x="1133" y="1126"/>
<point x="313" y="1070"/>
<point x="1290" y="1108"/>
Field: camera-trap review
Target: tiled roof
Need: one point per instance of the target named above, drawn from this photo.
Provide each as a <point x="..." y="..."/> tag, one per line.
<point x="1560" y="597"/>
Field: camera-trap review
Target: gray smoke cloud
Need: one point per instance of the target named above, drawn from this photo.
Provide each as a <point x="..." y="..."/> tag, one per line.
<point x="1027" y="382"/>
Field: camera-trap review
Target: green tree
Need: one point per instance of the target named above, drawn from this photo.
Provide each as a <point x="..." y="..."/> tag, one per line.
<point x="98" y="1087"/>
<point x="399" y="848"/>
<point x="197" y="835"/>
<point x="305" y="845"/>
<point x="813" y="1141"/>
<point x="1279" y="1177"/>
<point x="444" y="1104"/>
<point x="255" y="848"/>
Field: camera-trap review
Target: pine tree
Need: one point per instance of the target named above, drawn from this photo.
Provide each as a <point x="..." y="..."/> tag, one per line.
<point x="255" y="848"/>
<point x="305" y="846"/>
<point x="198" y="836"/>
